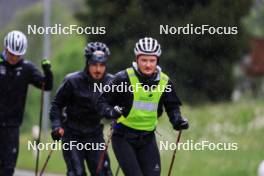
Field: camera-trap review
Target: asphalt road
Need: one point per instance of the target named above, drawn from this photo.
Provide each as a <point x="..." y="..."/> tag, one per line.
<point x="30" y="173"/>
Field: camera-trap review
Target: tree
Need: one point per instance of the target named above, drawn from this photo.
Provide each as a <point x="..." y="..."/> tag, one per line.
<point x="200" y="64"/>
<point x="253" y="22"/>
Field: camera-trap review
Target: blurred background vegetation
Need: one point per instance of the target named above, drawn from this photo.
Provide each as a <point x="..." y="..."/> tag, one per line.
<point x="200" y="65"/>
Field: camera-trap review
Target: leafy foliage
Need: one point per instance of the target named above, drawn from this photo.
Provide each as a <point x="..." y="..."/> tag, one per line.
<point x="253" y="22"/>
<point x="200" y="64"/>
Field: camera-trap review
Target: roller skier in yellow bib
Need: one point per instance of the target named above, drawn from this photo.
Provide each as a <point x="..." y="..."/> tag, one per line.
<point x="137" y="110"/>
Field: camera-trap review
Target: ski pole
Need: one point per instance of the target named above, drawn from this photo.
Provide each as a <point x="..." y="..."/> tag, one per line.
<point x="46" y="163"/>
<point x="174" y="153"/>
<point x="40" y="125"/>
<point x="158" y="133"/>
<point x="102" y="155"/>
<point x="117" y="170"/>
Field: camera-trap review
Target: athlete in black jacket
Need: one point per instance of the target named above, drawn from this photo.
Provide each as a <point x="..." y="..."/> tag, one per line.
<point x="137" y="109"/>
<point x="15" y="76"/>
<point x="73" y="113"/>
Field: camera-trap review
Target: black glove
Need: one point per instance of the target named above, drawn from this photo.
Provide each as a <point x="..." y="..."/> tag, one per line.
<point x="180" y="123"/>
<point x="116" y="112"/>
<point x="45" y="64"/>
<point x="57" y="133"/>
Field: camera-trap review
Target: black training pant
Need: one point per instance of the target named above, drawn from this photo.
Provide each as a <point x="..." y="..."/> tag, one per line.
<point x="9" y="146"/>
<point x="75" y="159"/>
<point x="137" y="154"/>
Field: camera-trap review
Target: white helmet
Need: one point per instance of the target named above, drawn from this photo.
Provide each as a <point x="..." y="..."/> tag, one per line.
<point x="147" y="46"/>
<point x="16" y="43"/>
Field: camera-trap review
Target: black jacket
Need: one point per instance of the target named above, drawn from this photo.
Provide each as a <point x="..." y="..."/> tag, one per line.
<point x="109" y="99"/>
<point x="73" y="107"/>
<point x="14" y="81"/>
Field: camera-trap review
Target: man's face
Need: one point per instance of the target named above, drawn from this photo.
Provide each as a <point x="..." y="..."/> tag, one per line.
<point x="97" y="70"/>
<point x="11" y="58"/>
<point x="147" y="64"/>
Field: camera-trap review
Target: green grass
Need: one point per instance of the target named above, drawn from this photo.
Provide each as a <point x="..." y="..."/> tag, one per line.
<point x="241" y="123"/>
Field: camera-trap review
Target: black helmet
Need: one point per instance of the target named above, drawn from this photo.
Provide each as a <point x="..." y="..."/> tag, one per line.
<point x="96" y="46"/>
